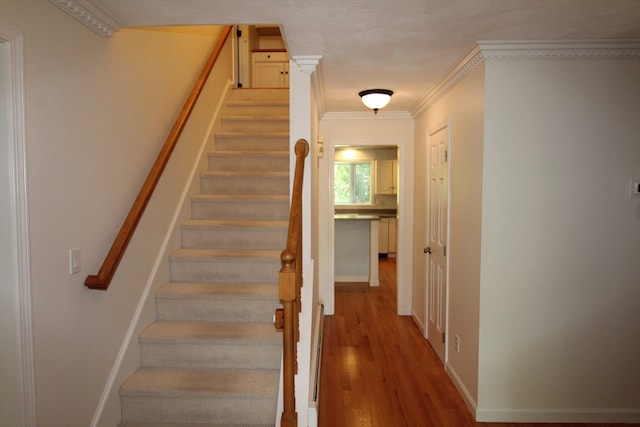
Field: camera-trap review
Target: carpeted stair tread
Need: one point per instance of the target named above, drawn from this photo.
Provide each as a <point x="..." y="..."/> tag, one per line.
<point x="258" y="174"/>
<point x="252" y="102"/>
<point x="176" y="290"/>
<point x="233" y="383"/>
<point x="207" y="333"/>
<point x="271" y="153"/>
<point x="233" y="153"/>
<point x="241" y="197"/>
<point x="208" y="223"/>
<point x="241" y="117"/>
<point x="205" y="255"/>
<point x="260" y="134"/>
<point x="260" y="94"/>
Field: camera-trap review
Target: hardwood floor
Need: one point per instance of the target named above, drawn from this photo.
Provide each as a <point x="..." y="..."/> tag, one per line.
<point x="379" y="371"/>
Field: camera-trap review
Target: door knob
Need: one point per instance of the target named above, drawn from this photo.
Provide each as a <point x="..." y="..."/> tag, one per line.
<point x="427" y="250"/>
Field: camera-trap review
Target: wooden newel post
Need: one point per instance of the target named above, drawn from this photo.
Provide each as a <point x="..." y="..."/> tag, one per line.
<point x="288" y="298"/>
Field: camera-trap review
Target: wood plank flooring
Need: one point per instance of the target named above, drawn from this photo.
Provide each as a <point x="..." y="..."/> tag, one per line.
<point x="379" y="371"/>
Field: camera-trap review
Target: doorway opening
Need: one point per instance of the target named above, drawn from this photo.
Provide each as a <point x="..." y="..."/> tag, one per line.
<point x="366" y="194"/>
<point x="262" y="60"/>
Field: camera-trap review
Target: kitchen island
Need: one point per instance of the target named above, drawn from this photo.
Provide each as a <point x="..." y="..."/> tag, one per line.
<point x="356" y="248"/>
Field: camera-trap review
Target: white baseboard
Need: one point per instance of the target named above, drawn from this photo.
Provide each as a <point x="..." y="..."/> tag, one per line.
<point x="419" y="323"/>
<point x="462" y="389"/>
<point x="603" y="415"/>
<point x="579" y="415"/>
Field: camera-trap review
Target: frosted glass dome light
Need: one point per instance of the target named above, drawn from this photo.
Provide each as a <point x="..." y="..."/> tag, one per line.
<point x="376" y="99"/>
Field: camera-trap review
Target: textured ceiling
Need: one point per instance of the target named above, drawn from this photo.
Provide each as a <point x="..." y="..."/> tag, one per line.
<point x="403" y="45"/>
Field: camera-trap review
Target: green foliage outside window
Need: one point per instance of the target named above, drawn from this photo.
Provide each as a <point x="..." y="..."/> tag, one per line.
<point x="352" y="183"/>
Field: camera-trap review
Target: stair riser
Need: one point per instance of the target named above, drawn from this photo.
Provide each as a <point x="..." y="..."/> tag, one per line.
<point x="258" y="110"/>
<point x="233" y="238"/>
<point x="216" y="310"/>
<point x="235" y="185"/>
<point x="209" y="355"/>
<point x="241" y="124"/>
<point x="221" y="271"/>
<point x="251" y="142"/>
<point x="248" y="163"/>
<point x="243" y="211"/>
<point x="278" y="95"/>
<point x="199" y="410"/>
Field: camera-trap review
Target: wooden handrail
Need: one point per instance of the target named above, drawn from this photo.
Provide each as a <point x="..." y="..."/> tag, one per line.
<point x="102" y="280"/>
<point x="290" y="282"/>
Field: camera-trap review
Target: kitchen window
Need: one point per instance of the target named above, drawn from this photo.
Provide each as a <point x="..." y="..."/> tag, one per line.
<point x="352" y="183"/>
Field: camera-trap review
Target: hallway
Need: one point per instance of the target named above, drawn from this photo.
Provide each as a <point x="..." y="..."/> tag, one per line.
<point x="379" y="371"/>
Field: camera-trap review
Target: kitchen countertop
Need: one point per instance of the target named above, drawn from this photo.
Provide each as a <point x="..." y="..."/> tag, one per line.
<point x="382" y="213"/>
<point x="356" y="216"/>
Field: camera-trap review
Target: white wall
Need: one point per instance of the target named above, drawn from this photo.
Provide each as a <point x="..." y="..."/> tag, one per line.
<point x="462" y="109"/>
<point x="97" y="111"/>
<point x="560" y="281"/>
<point x="345" y="129"/>
<point x="303" y="126"/>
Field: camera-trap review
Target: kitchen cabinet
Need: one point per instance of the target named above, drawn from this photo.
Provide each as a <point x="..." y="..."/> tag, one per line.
<point x="387" y="236"/>
<point x="270" y="69"/>
<point x="386" y="176"/>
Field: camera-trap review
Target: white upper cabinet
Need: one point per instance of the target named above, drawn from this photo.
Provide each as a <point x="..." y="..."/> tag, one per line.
<point x="386" y="176"/>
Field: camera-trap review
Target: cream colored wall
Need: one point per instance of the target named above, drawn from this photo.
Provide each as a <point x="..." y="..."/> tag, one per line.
<point x="560" y="281"/>
<point x="97" y="111"/>
<point x="462" y="110"/>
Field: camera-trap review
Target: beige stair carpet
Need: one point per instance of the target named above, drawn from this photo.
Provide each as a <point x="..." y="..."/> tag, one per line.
<point x="212" y="358"/>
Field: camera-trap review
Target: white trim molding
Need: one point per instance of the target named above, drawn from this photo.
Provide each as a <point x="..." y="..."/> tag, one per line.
<point x="19" y="202"/>
<point x="561" y="49"/>
<point x="307" y="64"/>
<point x="83" y="12"/>
<point x="523" y="50"/>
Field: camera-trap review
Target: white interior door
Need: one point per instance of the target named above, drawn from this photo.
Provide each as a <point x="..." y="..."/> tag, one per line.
<point x="436" y="248"/>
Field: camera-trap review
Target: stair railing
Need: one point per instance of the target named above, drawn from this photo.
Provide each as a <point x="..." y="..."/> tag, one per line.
<point x="290" y="282"/>
<point x="102" y="280"/>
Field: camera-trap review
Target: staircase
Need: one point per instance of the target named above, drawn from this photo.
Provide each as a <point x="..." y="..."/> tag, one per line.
<point x="212" y="358"/>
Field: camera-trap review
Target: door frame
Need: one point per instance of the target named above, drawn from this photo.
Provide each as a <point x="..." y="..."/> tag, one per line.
<point x="404" y="224"/>
<point x="430" y="132"/>
<point x="16" y="142"/>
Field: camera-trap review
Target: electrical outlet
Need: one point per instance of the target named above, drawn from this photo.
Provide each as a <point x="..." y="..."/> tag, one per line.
<point x="457" y="343"/>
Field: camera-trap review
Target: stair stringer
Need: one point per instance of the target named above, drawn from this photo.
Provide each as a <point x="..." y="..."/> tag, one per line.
<point x="108" y="410"/>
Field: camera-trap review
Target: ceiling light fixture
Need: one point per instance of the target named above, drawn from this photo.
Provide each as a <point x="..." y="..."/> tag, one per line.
<point x="376" y="99"/>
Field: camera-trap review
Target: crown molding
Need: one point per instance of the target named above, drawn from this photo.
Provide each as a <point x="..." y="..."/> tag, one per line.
<point x="83" y="12"/>
<point x="523" y="50"/>
<point x="561" y="49"/>
<point x="310" y="65"/>
<point x="468" y="63"/>
<point x="307" y="64"/>
<point x="382" y="115"/>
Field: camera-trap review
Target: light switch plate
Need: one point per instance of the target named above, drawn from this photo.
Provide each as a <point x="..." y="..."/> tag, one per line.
<point x="634" y="187"/>
<point x="74" y="261"/>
